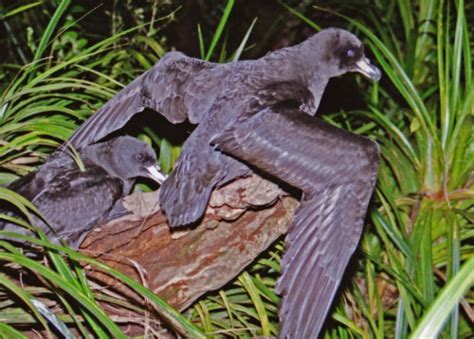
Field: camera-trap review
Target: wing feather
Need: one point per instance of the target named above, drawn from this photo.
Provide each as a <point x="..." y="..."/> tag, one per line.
<point x="75" y="204"/>
<point x="169" y="88"/>
<point x="336" y="171"/>
<point x="70" y="200"/>
<point x="319" y="258"/>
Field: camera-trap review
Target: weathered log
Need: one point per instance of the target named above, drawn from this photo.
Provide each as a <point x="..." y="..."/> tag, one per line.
<point x="243" y="218"/>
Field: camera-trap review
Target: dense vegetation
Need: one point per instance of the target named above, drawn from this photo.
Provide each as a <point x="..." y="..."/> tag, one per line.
<point x="62" y="60"/>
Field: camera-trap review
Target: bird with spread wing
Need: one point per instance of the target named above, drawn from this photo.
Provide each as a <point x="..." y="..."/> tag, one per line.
<point x="243" y="123"/>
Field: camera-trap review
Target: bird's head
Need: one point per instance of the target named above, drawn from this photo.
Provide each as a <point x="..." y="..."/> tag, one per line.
<point x="131" y="158"/>
<point x="339" y="52"/>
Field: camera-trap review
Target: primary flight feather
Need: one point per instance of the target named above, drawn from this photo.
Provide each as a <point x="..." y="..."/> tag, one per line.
<point x="336" y="171"/>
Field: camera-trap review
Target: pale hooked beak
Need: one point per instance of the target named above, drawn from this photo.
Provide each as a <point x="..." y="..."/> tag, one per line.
<point x="155" y="174"/>
<point x="370" y="71"/>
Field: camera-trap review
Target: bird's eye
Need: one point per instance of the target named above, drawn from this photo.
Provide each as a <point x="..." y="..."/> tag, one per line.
<point x="350" y="53"/>
<point x="139" y="156"/>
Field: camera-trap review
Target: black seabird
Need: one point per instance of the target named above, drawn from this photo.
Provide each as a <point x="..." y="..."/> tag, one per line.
<point x="74" y="200"/>
<point x="225" y="97"/>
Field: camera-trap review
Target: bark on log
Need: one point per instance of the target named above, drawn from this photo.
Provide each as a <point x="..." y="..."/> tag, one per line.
<point x="242" y="220"/>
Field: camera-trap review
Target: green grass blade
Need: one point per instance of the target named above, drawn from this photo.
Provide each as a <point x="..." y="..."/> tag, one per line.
<point x="228" y="307"/>
<point x="20" y="9"/>
<point x="457" y="64"/>
<point x="393" y="234"/>
<point x="20" y="202"/>
<point x="454" y="260"/>
<point x="24" y="296"/>
<point x="45" y="39"/>
<point x="75" y="318"/>
<point x="442" y="76"/>
<point x="65" y="271"/>
<point x="243" y="43"/>
<point x="166" y="156"/>
<point x="252" y="290"/>
<point x="466" y="110"/>
<point x="204" y="317"/>
<point x="98" y="48"/>
<point x="406" y="15"/>
<point x="439" y="311"/>
<point x="426" y="31"/>
<point x="401" y="325"/>
<point x="9" y="332"/>
<point x="67" y="287"/>
<point x="302" y="17"/>
<point x="52" y="318"/>
<point x="202" y="48"/>
<point x="220" y="29"/>
<point x="466" y="45"/>
<point x="166" y="311"/>
<point x="399" y="136"/>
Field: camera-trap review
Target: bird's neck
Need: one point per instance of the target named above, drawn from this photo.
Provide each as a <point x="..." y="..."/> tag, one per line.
<point x="280" y="66"/>
<point x="296" y="63"/>
<point x="100" y="155"/>
<point x="94" y="155"/>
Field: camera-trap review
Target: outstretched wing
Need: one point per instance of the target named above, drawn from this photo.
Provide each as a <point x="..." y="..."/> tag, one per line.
<point x="336" y="171"/>
<point x="325" y="234"/>
<point x="174" y="87"/>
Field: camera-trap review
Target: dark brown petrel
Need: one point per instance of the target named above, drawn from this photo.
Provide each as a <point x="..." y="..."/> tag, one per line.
<point x="224" y="97"/>
<point x="74" y="200"/>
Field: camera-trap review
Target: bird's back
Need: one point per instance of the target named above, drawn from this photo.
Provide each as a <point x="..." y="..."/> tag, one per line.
<point x="77" y="201"/>
<point x="70" y="200"/>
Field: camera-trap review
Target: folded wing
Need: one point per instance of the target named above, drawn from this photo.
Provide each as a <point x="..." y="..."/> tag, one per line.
<point x="76" y="202"/>
<point x="72" y="202"/>
<point x="336" y="171"/>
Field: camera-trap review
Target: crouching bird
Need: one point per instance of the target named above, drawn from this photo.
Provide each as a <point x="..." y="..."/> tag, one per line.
<point x="72" y="200"/>
<point x="236" y="101"/>
<point x="336" y="172"/>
